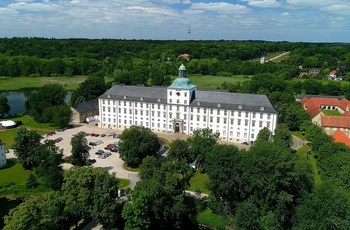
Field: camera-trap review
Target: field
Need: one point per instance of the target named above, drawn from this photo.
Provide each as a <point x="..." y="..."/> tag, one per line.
<point x="17" y="83"/>
<point x="198" y="183"/>
<point x="302" y="154"/>
<point x="215" y="82"/>
<point x="207" y="217"/>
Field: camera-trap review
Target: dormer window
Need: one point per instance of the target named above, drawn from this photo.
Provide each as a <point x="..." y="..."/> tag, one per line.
<point x="198" y="103"/>
<point x="141" y="98"/>
<point x="219" y="105"/>
<point x="261" y="108"/>
<point x="240" y="107"/>
<point x="159" y="100"/>
<point x="109" y="96"/>
<point x="125" y="97"/>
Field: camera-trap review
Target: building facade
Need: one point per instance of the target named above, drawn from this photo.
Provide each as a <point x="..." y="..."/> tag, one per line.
<point x="3" y="160"/>
<point x="182" y="108"/>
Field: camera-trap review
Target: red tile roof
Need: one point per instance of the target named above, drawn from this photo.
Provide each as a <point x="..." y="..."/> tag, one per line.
<point x="313" y="111"/>
<point x="334" y="72"/>
<point x="321" y="101"/>
<point x="346" y="114"/>
<point x="335" y="121"/>
<point x="340" y="136"/>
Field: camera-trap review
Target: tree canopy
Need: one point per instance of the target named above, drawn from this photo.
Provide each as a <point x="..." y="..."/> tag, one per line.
<point x="4" y="106"/>
<point x="136" y="143"/>
<point x="80" y="149"/>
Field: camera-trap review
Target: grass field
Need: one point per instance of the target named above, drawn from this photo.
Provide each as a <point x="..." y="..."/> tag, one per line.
<point x="214" y="82"/>
<point x="207" y="217"/>
<point x="13" y="181"/>
<point x="123" y="183"/>
<point x="331" y="112"/>
<point x="302" y="153"/>
<point x="18" y="83"/>
<point x="198" y="183"/>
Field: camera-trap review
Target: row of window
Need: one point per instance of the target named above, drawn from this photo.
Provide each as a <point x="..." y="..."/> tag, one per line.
<point x="218" y="112"/>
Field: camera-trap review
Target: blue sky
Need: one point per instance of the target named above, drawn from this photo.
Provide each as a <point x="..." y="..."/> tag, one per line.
<point x="272" y="20"/>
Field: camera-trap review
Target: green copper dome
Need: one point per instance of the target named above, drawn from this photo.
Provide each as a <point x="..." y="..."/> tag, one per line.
<point x="182" y="67"/>
<point x="182" y="83"/>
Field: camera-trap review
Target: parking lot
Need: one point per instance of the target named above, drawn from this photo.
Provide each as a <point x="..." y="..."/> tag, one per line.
<point x="112" y="163"/>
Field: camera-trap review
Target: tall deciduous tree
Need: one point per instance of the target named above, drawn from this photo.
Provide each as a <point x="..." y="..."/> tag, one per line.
<point x="137" y="143"/>
<point x="25" y="147"/>
<point x="180" y="150"/>
<point x="4" y="106"/>
<point x="282" y="135"/>
<point x="91" y="88"/>
<point x="327" y="207"/>
<point x="49" y="158"/>
<point x="80" y="149"/>
<point x="47" y="96"/>
<point x="201" y="143"/>
<point x="90" y="192"/>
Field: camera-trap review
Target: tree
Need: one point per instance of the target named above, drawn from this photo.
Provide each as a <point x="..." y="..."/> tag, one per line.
<point x="25" y="147"/>
<point x="224" y="168"/>
<point x="136" y="143"/>
<point x="327" y="207"/>
<point x="49" y="158"/>
<point x="80" y="149"/>
<point x="248" y="216"/>
<point x="91" y="88"/>
<point x="263" y="135"/>
<point x="4" y="106"/>
<point x="31" y="181"/>
<point x="59" y="115"/>
<point x="282" y="135"/>
<point x="179" y="150"/>
<point x="90" y="192"/>
<point x="47" y="96"/>
<point x="201" y="143"/>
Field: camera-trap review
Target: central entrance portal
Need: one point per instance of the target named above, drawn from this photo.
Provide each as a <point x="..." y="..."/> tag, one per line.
<point x="177" y="128"/>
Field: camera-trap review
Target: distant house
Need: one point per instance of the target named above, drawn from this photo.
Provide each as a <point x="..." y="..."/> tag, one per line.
<point x="263" y="60"/>
<point x="186" y="56"/>
<point x="303" y="74"/>
<point x="3" y="160"/>
<point x="314" y="71"/>
<point x="84" y="110"/>
<point x="330" y="124"/>
<point x="333" y="74"/>
<point x="340" y="137"/>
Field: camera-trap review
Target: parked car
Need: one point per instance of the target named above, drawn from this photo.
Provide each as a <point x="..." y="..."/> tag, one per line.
<point x="97" y="135"/>
<point x="91" y="161"/>
<point x="92" y="144"/>
<point x="99" y="152"/>
<point x="103" y="135"/>
<point x="92" y="134"/>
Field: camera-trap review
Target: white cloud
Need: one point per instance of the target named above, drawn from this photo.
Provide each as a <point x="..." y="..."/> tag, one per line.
<point x="221" y="7"/>
<point x="38" y="7"/>
<point x="264" y="3"/>
<point x="337" y="8"/>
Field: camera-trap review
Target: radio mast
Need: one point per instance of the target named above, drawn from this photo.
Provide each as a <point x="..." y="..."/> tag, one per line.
<point x="189" y="31"/>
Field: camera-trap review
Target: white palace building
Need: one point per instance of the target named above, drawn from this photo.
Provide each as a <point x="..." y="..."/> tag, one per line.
<point x="182" y="108"/>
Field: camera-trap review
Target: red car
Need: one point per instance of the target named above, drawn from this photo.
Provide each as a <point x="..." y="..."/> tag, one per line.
<point x="92" y="134"/>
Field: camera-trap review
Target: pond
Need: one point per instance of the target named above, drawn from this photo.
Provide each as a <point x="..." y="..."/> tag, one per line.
<point x="6" y="205"/>
<point x="16" y="99"/>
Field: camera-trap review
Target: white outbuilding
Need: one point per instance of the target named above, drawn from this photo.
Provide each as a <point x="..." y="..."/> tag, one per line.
<point x="8" y="124"/>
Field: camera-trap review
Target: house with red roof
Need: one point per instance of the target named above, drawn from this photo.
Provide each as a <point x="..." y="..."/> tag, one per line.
<point x="314" y="106"/>
<point x="333" y="74"/>
<point x="340" y="137"/>
<point x="186" y="56"/>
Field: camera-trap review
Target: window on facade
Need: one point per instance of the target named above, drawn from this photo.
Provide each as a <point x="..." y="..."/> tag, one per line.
<point x="103" y="109"/>
<point x="198" y="110"/>
<point x="238" y="134"/>
<point x="239" y="114"/>
<point x="135" y="111"/>
<point x="205" y="111"/>
<point x="239" y="122"/>
<point x="109" y="119"/>
<point x="246" y="114"/>
<point x="211" y="111"/>
<point x="268" y="124"/>
<point x="185" y="94"/>
<point x="261" y="115"/>
<point x="205" y="118"/>
<point x="152" y="106"/>
<point x="218" y="111"/>
<point x="108" y="102"/>
<point x="232" y="120"/>
<point x="225" y="120"/>
<point x="130" y="111"/>
<point x="191" y="110"/>
<point x="141" y="105"/>
<point x="147" y="113"/>
<point x="103" y="102"/>
<point x="260" y="124"/>
<point x="191" y="129"/>
<point x="124" y="103"/>
<point x="253" y="123"/>
<point x="147" y="105"/>
<point x="245" y="135"/>
<point x="198" y="118"/>
<point x="141" y="112"/>
<point x="246" y="122"/>
<point x="152" y="124"/>
<point x="178" y="101"/>
<point x="120" y="121"/>
<point x="109" y="109"/>
<point x="158" y="114"/>
<point x="113" y="110"/>
<point x="152" y="113"/>
<point x="178" y="108"/>
<point x="185" y="128"/>
<point x="225" y="112"/>
<point x="178" y="116"/>
<point x="191" y="117"/>
<point x="125" y="122"/>
<point x="218" y="120"/>
<point x="252" y="136"/>
<point x="119" y="102"/>
<point x="164" y="107"/>
<point x="170" y="100"/>
<point x="185" y="116"/>
<point x="211" y="119"/>
<point x="114" y="120"/>
<point x="232" y="113"/>
<point x="135" y="104"/>
<point x="170" y="93"/>
<point x="231" y="133"/>
<point x="125" y="111"/>
<point x="130" y="104"/>
<point x="164" y="114"/>
<point x="170" y="107"/>
<point x="185" y="101"/>
<point x="158" y="106"/>
<point x="170" y="115"/>
<point x="158" y="125"/>
<point x="130" y="122"/>
<point x="268" y="116"/>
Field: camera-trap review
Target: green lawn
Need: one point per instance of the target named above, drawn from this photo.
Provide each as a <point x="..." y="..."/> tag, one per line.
<point x="17" y="83"/>
<point x="127" y="168"/>
<point x="331" y="112"/>
<point x="13" y="181"/>
<point x="7" y="136"/>
<point x="123" y="183"/>
<point x="302" y="153"/>
<point x="215" y="82"/>
<point x="198" y="182"/>
<point x="207" y="217"/>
